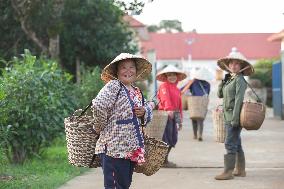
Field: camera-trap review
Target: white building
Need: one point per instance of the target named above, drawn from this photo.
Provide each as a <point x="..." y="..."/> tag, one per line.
<point x="190" y="51"/>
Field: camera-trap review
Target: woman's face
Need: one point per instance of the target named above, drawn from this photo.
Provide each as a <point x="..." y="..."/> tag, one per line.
<point x="171" y="77"/>
<point x="126" y="71"/>
<point x="235" y="66"/>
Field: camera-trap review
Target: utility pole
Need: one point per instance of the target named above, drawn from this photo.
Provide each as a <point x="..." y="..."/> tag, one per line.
<point x="151" y="55"/>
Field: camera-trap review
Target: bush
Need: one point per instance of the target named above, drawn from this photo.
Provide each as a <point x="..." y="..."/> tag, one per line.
<point x="90" y="85"/>
<point x="263" y="71"/>
<point x="35" y="97"/>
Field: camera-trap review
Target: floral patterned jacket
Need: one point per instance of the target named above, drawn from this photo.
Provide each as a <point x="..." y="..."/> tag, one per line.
<point x="120" y="130"/>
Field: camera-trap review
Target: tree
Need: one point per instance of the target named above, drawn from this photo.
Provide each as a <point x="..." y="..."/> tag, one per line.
<point x="171" y="25"/>
<point x="12" y="38"/>
<point x="45" y="13"/>
<point x="168" y="26"/>
<point x="93" y="33"/>
<point x="153" y="28"/>
<point x="134" y="7"/>
<point x="94" y="28"/>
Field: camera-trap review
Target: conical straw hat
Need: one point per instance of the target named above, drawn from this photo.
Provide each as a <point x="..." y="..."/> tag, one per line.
<point x="161" y="76"/>
<point x="203" y="74"/>
<point x="223" y="63"/>
<point x="143" y="67"/>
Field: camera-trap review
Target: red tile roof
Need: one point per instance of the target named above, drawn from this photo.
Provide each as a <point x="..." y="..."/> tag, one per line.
<point x="132" y="21"/>
<point x="210" y="46"/>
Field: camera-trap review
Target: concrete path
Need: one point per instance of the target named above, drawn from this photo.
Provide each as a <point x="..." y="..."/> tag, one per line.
<point x="199" y="162"/>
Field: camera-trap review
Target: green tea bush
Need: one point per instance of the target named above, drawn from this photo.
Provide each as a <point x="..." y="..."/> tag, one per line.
<point x="89" y="86"/>
<point x="35" y="96"/>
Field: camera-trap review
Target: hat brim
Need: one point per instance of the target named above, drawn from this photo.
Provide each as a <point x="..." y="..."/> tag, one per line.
<point x="223" y="63"/>
<point x="143" y="69"/>
<point x="163" y="77"/>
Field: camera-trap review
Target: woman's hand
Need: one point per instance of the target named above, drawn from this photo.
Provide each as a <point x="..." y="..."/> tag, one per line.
<point x="227" y="77"/>
<point x="139" y="111"/>
<point x="153" y="105"/>
<point x="171" y="114"/>
<point x="179" y="127"/>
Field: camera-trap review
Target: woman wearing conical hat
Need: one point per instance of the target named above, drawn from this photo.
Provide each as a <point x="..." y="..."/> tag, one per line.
<point x="198" y="86"/>
<point x="119" y="110"/>
<point x="169" y="97"/>
<point x="232" y="90"/>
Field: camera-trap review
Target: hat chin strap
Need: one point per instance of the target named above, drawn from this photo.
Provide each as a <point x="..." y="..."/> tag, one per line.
<point x="244" y="69"/>
<point x="239" y="71"/>
<point x="118" y="79"/>
<point x="141" y="73"/>
<point x="111" y="76"/>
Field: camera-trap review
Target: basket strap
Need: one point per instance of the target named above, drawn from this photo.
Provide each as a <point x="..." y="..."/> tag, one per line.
<point x="95" y="155"/>
<point x="84" y="111"/>
<point x="202" y="87"/>
<point x="187" y="86"/>
<point x="143" y="103"/>
<point x="92" y="161"/>
<point x="258" y="99"/>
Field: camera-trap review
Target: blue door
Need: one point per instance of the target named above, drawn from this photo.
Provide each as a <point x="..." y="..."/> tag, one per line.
<point x="277" y="89"/>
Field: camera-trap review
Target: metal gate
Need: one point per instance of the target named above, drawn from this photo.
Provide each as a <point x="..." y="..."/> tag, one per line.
<point x="277" y="89"/>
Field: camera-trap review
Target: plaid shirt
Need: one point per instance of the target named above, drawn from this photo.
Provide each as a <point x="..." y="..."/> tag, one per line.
<point x="119" y="128"/>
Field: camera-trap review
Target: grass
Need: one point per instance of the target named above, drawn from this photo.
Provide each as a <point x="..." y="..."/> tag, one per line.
<point x="48" y="172"/>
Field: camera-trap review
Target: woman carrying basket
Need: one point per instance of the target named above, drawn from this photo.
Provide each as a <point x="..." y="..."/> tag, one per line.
<point x="119" y="111"/>
<point x="232" y="90"/>
<point x="169" y="97"/>
<point x="199" y="86"/>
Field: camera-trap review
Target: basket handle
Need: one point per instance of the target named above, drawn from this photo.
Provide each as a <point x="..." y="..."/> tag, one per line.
<point x="258" y="99"/>
<point x="202" y="87"/>
<point x="84" y="111"/>
<point x="186" y="87"/>
<point x="92" y="161"/>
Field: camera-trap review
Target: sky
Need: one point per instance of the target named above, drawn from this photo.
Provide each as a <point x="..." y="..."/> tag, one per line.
<point x="218" y="16"/>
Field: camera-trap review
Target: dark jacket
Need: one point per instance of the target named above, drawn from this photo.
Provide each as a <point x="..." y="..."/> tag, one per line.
<point x="232" y="92"/>
<point x="196" y="89"/>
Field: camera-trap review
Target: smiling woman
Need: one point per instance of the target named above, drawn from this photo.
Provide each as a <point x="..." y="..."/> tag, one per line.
<point x="126" y="71"/>
<point x="232" y="90"/>
<point x="120" y="111"/>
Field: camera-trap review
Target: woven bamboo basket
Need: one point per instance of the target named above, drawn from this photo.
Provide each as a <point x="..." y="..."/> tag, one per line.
<point x="218" y="123"/>
<point x="252" y="115"/>
<point x="184" y="102"/>
<point x="81" y="141"/>
<point x="156" y="152"/>
<point x="157" y="126"/>
<point x="197" y="106"/>
<point x="219" y="75"/>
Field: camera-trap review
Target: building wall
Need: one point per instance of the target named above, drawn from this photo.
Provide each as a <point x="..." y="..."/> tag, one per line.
<point x="163" y="63"/>
<point x="282" y="60"/>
